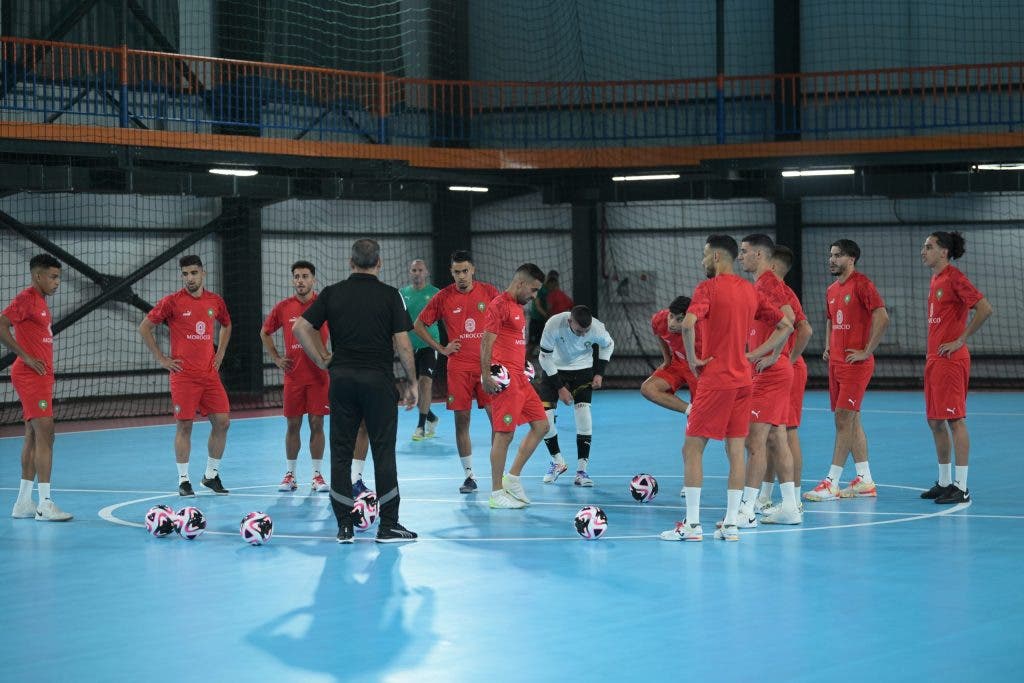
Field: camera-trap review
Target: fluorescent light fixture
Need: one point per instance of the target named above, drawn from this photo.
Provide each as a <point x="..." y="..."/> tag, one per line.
<point x="240" y="172"/>
<point x="1000" y="167"/>
<point x="652" y="176"/>
<point x="817" y="172"/>
<point x="466" y="188"/>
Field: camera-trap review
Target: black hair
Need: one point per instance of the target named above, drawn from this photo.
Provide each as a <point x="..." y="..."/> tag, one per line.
<point x="190" y="260"/>
<point x="847" y="248"/>
<point x="724" y="242"/>
<point x="784" y="255"/>
<point x="679" y="305"/>
<point x="532" y="271"/>
<point x="582" y="315"/>
<point x="365" y="253"/>
<point x="304" y="264"/>
<point x="460" y="256"/>
<point x="760" y="240"/>
<point x="43" y="261"/>
<point x="953" y="242"/>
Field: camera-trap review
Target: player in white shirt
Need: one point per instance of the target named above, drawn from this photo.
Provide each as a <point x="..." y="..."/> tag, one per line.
<point x="571" y="372"/>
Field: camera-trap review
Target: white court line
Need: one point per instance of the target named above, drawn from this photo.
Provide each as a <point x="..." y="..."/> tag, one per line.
<point x="920" y="413"/>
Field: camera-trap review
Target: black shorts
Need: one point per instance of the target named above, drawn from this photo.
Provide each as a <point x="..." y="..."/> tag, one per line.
<point x="426" y="361"/>
<point x="577" y="381"/>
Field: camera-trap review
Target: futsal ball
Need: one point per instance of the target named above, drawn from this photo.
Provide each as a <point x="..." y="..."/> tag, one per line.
<point x="256" y="528"/>
<point x="365" y="510"/>
<point x="161" y="520"/>
<point x="529" y="371"/>
<point x="591" y="522"/>
<point x="499" y="373"/>
<point x="643" y="488"/>
<point x="190" y="523"/>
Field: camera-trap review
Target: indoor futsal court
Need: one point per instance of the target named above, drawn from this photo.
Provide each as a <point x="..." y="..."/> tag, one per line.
<point x="518" y="591"/>
<point x="183" y="181"/>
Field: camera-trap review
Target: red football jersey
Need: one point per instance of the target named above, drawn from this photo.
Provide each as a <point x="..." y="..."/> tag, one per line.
<point x="190" y="320"/>
<point x="283" y="315"/>
<point x="798" y="317"/>
<point x="727" y="305"/>
<point x="507" y="319"/>
<point x="659" y="325"/>
<point x="31" y="317"/>
<point x="950" y="298"/>
<point x="463" y="317"/>
<point x="771" y="296"/>
<point x="849" y="306"/>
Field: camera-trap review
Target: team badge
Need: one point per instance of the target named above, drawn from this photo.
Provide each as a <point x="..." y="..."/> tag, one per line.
<point x="506" y="418"/>
<point x="43" y="404"/>
<point x="480" y="306"/>
<point x="938" y="294"/>
<point x="451" y="399"/>
<point x="177" y="408"/>
<point x="209" y="312"/>
<point x="846" y="299"/>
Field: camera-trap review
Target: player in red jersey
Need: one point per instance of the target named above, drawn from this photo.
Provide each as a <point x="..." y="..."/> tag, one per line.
<point x="726" y="305"/>
<point x="674" y="372"/>
<point x="504" y="343"/>
<point x="856" y="320"/>
<point x="462" y="307"/>
<point x="193" y="365"/>
<point x="773" y="378"/>
<point x="305" y="385"/>
<point x="782" y="261"/>
<point x="33" y="380"/>
<point x="947" y="368"/>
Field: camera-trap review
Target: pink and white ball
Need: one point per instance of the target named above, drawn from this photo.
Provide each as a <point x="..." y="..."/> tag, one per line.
<point x="591" y="522"/>
<point x="161" y="520"/>
<point x="643" y="488"/>
<point x="256" y="528"/>
<point x="190" y="523"/>
<point x="365" y="510"/>
<point x="499" y="373"/>
<point x="529" y="371"/>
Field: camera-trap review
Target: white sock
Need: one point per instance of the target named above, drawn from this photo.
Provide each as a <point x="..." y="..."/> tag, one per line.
<point x="747" y="498"/>
<point x="25" y="490"/>
<point x="467" y="464"/>
<point x="767" y="487"/>
<point x="581" y="464"/>
<point x="796" y="488"/>
<point x="44" y="491"/>
<point x="789" y="499"/>
<point x="945" y="474"/>
<point x="212" y="467"/>
<point x="732" y="505"/>
<point x="961" y="477"/>
<point x="834" y="473"/>
<point x="357" y="470"/>
<point x="693" y="505"/>
<point x="558" y="459"/>
<point x="318" y="464"/>
<point x="182" y="470"/>
<point x="291" y="464"/>
<point x="863" y="470"/>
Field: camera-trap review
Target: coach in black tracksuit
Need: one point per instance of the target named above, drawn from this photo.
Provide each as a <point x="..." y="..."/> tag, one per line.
<point x="367" y="321"/>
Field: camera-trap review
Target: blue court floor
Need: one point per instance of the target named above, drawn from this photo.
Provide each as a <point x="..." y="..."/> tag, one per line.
<point x="878" y="589"/>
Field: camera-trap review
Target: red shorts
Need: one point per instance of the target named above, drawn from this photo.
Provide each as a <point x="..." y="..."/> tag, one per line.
<point x="945" y="387"/>
<point x="463" y="387"/>
<point x="796" y="394"/>
<point x="35" y="392"/>
<point x="203" y="394"/>
<point x="517" y="405"/>
<point x="720" y="414"/>
<point x="676" y="375"/>
<point x="306" y="398"/>
<point x="847" y="383"/>
<point x="769" y="399"/>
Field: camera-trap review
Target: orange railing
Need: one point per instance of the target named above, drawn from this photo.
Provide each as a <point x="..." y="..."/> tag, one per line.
<point x="45" y="82"/>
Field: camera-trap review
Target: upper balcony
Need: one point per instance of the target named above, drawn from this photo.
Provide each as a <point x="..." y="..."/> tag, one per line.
<point x="61" y="91"/>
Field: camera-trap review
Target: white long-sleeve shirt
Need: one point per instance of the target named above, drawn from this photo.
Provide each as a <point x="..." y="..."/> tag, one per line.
<point x="563" y="349"/>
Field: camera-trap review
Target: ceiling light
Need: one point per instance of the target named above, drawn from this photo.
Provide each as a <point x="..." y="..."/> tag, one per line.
<point x="999" y="167"/>
<point x="817" y="172"/>
<point x="240" y="172"/>
<point x="652" y="176"/>
<point x="466" y="188"/>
